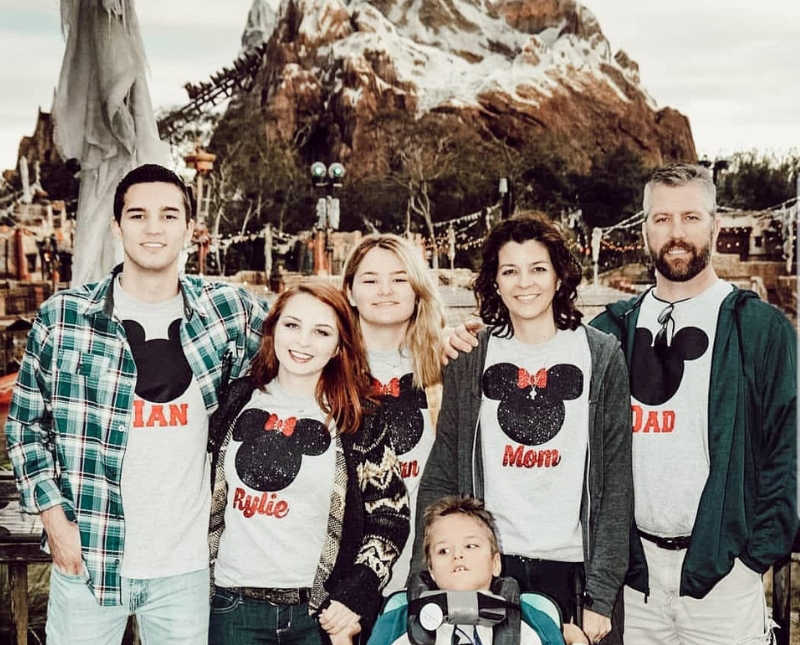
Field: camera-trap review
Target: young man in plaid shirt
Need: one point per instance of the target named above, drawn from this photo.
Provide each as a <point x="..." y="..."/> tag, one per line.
<point x="108" y="426"/>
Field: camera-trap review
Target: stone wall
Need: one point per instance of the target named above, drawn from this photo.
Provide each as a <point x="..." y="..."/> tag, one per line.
<point x="730" y="267"/>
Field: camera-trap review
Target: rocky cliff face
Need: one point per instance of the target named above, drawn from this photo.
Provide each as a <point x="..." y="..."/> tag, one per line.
<point x="512" y="69"/>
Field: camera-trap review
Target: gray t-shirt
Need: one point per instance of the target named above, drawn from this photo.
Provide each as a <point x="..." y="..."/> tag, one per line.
<point x="165" y="472"/>
<point x="669" y="405"/>
<point x="279" y="468"/>
<point x="534" y="433"/>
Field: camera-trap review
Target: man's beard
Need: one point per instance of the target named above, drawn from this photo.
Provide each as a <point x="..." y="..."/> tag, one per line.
<point x="681" y="271"/>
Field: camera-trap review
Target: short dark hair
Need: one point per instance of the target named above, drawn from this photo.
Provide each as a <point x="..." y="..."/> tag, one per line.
<point x="457" y="505"/>
<point x="524" y="227"/>
<point x="147" y="174"/>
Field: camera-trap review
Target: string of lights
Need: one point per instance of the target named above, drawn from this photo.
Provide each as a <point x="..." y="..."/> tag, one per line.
<point x="619" y="248"/>
<point x="469" y="231"/>
<point x="470" y="217"/>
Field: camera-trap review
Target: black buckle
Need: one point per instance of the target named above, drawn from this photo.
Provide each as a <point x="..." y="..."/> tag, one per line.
<point x="670" y="543"/>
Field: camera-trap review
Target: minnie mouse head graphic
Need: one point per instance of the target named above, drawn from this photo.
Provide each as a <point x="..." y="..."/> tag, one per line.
<point x="402" y="401"/>
<point x="272" y="448"/>
<point x="531" y="409"/>
<point x="657" y="369"/>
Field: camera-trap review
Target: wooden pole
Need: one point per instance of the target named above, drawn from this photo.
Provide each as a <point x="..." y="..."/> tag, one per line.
<point x="781" y="599"/>
<point x="19" y="252"/>
<point x="18" y="577"/>
<point x="268" y="251"/>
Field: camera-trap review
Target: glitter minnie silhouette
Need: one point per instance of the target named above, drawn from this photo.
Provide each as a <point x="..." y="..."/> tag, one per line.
<point x="273" y="448"/>
<point x="657" y="369"/>
<point x="402" y="402"/>
<point x="531" y="409"/>
<point x="163" y="373"/>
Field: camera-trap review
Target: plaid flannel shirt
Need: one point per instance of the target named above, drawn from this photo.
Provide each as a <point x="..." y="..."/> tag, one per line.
<point x="72" y="406"/>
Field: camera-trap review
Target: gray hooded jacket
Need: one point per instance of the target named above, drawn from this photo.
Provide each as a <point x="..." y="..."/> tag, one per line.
<point x="455" y="465"/>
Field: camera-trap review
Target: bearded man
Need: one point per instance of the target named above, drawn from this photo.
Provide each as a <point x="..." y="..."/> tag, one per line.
<point x="713" y="395"/>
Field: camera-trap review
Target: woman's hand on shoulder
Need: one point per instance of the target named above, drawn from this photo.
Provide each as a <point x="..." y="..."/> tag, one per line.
<point x="463" y="338"/>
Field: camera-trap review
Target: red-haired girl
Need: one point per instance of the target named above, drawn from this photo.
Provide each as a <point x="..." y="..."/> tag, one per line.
<point x="309" y="511"/>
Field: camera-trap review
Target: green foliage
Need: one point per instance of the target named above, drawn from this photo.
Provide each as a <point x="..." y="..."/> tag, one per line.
<point x="375" y="201"/>
<point x="258" y="181"/>
<point x="469" y="184"/>
<point x="612" y="189"/>
<point x="432" y="169"/>
<point x="438" y="164"/>
<point x="543" y="177"/>
<point x="756" y="181"/>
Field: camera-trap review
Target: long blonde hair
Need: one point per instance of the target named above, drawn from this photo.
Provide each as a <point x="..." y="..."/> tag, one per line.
<point x="423" y="335"/>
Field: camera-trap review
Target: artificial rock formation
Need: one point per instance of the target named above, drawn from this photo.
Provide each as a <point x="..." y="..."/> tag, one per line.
<point x="510" y="69"/>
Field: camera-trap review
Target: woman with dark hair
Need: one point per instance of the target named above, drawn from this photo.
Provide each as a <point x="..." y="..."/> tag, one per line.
<point x="309" y="512"/>
<point x="536" y="421"/>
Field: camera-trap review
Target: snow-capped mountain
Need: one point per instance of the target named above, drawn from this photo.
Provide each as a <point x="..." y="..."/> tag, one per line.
<point x="515" y="68"/>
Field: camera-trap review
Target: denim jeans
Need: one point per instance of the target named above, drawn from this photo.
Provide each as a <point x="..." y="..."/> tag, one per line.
<point x="171" y="610"/>
<point x="237" y="620"/>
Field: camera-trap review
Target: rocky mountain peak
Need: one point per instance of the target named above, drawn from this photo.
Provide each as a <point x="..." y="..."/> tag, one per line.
<point x="515" y="68"/>
<point x="560" y="16"/>
<point x="260" y="24"/>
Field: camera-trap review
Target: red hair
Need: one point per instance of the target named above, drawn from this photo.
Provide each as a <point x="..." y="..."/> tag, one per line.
<point x="344" y="387"/>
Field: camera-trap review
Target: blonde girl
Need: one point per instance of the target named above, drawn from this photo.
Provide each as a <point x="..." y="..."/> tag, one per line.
<point x="401" y="318"/>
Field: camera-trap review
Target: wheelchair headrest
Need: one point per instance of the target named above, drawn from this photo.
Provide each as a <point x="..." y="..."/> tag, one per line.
<point x="430" y="607"/>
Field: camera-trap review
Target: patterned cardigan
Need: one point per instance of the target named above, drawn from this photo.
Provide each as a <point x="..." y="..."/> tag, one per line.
<point x="368" y="522"/>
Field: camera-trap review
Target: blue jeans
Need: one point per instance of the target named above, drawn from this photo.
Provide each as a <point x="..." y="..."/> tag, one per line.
<point x="237" y="620"/>
<point x="171" y="610"/>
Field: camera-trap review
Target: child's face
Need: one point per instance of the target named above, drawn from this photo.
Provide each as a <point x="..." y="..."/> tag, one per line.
<point x="460" y="554"/>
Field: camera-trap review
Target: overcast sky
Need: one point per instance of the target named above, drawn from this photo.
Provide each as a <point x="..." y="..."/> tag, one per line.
<point x="730" y="65"/>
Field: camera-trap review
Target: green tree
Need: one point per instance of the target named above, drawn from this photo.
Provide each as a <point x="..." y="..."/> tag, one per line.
<point x="612" y="189"/>
<point x="755" y="181"/>
<point x="372" y="203"/>
<point x="542" y="176"/>
<point x="257" y="181"/>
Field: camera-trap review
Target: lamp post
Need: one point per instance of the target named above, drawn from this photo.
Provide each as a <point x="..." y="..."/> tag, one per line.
<point x="717" y="167"/>
<point x="597" y="238"/>
<point x="203" y="162"/>
<point x="505" y="197"/>
<point x="451" y="252"/>
<point x="795" y="220"/>
<point x="326" y="180"/>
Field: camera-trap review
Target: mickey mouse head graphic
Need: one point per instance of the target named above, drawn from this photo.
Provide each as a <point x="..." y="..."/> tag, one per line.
<point x="403" y="402"/>
<point x="532" y="420"/>
<point x="657" y="369"/>
<point x="272" y="448"/>
<point x="163" y="373"/>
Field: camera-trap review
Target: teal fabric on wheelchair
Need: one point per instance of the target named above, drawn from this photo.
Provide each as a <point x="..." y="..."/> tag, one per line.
<point x="543" y="604"/>
<point x="537" y="611"/>
<point x="396" y="600"/>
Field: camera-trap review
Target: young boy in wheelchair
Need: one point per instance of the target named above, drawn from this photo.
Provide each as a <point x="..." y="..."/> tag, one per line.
<point x="460" y="599"/>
